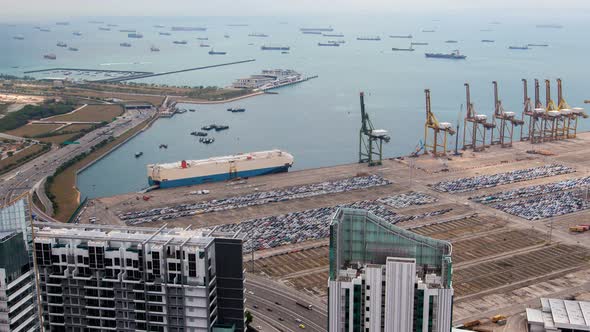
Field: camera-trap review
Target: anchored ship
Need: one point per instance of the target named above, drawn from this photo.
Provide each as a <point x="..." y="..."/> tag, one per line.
<point x="154" y="49"/>
<point x="312" y="32"/>
<point x="62" y="44"/>
<point x="125" y="45"/>
<point x="77" y="33"/>
<point x="73" y="49"/>
<point x="409" y="49"/>
<point x="487" y="41"/>
<point x="165" y="34"/>
<point x="258" y="35"/>
<point x="418" y="43"/>
<point x="180" y="42"/>
<point x="455" y="55"/>
<point x="538" y="45"/>
<point x="50" y="56"/>
<point x="213" y="52"/>
<point x="188" y="29"/>
<point x="329" y="29"/>
<point x="376" y="38"/>
<point x="191" y="172"/>
<point x="401" y="36"/>
<point x="19" y="37"/>
<point x="333" y="35"/>
<point x="135" y="35"/>
<point x="518" y="47"/>
<point x="275" y="48"/>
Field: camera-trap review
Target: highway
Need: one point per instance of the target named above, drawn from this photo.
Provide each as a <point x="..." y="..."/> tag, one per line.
<point x="275" y="305"/>
<point x="24" y="178"/>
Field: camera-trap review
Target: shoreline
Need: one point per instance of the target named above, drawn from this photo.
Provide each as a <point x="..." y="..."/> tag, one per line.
<point x="183" y="100"/>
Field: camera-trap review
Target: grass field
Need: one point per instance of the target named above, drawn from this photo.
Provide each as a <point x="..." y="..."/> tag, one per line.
<point x="64" y="184"/>
<point x="58" y="139"/>
<point x="154" y="100"/>
<point x="30" y="151"/>
<point x="92" y="113"/>
<point x="77" y="127"/>
<point x="32" y="130"/>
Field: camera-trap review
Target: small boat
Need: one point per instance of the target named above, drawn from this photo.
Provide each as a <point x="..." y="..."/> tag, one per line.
<point x="50" y="56"/>
<point x="518" y="47"/>
<point x="163" y="146"/>
<point x="44" y="30"/>
<point x="329" y="44"/>
<point x="181" y="111"/>
<point x="180" y="42"/>
<point x="61" y="44"/>
<point x="487" y="40"/>
<point x="236" y="110"/>
<point x="284" y="52"/>
<point x="73" y="49"/>
<point x="125" y="45"/>
<point x="401" y="36"/>
<point x="135" y="35"/>
<point x="159" y="26"/>
<point x="209" y="127"/>
<point x="225" y="36"/>
<point x="199" y="133"/>
<point x="138" y="154"/>
<point x="213" y="52"/>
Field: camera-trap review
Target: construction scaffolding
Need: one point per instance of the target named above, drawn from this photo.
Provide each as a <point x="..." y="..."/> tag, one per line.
<point x="437" y="144"/>
<point x="370" y="139"/>
<point x="474" y="127"/>
<point x="504" y="122"/>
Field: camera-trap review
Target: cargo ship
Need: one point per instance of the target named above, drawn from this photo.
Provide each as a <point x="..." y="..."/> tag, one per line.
<point x="375" y="38"/>
<point x="518" y="47"/>
<point x="77" y="33"/>
<point x="418" y="43"/>
<point x="487" y="41"/>
<point x="104" y="29"/>
<point x="125" y="45"/>
<point x="455" y="55"/>
<point x="428" y="31"/>
<point x="329" y="29"/>
<point x="258" y="35"/>
<point x="192" y="172"/>
<point x="180" y="42"/>
<point x="409" y="49"/>
<point x="73" y="49"/>
<point x="61" y="44"/>
<point x="165" y="34"/>
<point x="401" y="36"/>
<point x="188" y="29"/>
<point x="538" y="45"/>
<point x="135" y="35"/>
<point x="154" y="49"/>
<point x="312" y="33"/>
<point x="19" y="37"/>
<point x="339" y="35"/>
<point x="275" y="48"/>
<point x="451" y="41"/>
<point x="329" y="44"/>
<point x="50" y="56"/>
<point x="213" y="52"/>
<point x="202" y="38"/>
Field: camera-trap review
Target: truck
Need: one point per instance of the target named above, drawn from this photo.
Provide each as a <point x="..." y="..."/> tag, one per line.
<point x="498" y="318"/>
<point x="579" y="228"/>
<point x="306" y="306"/>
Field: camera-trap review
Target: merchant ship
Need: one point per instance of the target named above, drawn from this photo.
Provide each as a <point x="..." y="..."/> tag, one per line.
<point x="192" y="172"/>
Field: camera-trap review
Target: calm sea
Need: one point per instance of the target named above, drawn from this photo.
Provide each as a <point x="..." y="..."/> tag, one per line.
<point x="317" y="121"/>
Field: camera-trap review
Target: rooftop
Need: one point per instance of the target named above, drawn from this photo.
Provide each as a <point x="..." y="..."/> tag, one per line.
<point x="562" y="314"/>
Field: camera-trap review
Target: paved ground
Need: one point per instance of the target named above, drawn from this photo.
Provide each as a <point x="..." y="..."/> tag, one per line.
<point x="503" y="263"/>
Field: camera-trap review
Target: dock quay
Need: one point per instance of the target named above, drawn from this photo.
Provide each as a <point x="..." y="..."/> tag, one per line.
<point x="485" y="203"/>
<point x="148" y="75"/>
<point x="89" y="70"/>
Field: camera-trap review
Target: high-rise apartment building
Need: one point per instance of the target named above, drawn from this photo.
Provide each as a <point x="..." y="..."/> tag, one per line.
<point x="384" y="278"/>
<point x="101" y="278"/>
<point x="18" y="297"/>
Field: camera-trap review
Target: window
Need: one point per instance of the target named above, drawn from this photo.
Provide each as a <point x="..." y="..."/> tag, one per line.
<point x="117" y="261"/>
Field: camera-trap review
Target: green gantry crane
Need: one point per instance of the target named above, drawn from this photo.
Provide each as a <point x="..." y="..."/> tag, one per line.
<point x="370" y="139"/>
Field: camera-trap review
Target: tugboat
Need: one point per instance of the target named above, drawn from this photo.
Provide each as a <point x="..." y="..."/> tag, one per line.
<point x="213" y="52"/>
<point x="236" y="110"/>
<point x="275" y="48"/>
<point x="454" y="56"/>
<point x="208" y="140"/>
<point x="138" y="154"/>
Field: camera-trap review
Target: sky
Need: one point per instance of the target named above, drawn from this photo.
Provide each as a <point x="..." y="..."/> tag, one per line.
<point x="15" y="9"/>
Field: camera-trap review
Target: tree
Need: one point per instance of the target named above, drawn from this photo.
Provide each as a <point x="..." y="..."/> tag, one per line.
<point x="249" y="317"/>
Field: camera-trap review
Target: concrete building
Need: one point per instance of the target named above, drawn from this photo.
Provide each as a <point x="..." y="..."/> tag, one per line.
<point x="18" y="296"/>
<point x="559" y="316"/>
<point x="109" y="278"/>
<point x="384" y="278"/>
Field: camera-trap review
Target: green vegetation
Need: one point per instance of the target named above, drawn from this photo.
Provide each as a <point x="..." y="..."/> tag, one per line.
<point x="249" y="317"/>
<point x="30" y="112"/>
<point x="215" y="93"/>
<point x="22" y="157"/>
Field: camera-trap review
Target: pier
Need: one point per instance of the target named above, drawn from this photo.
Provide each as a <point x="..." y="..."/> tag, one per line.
<point x="130" y="72"/>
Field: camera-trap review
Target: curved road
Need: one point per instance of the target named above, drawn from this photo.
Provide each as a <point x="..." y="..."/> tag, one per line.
<point x="275" y="305"/>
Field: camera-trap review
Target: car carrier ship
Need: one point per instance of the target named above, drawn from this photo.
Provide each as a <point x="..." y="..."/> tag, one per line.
<point x="244" y="165"/>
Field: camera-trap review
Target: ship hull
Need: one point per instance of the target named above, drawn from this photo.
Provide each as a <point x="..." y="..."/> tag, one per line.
<point x="217" y="177"/>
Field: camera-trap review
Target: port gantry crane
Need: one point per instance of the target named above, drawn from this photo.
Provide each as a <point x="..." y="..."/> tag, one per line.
<point x="536" y="111"/>
<point x="570" y="115"/>
<point x="474" y="127"/>
<point x="504" y="122"/>
<point x="370" y="139"/>
<point x="553" y="119"/>
<point x="438" y="128"/>
<point x="528" y="115"/>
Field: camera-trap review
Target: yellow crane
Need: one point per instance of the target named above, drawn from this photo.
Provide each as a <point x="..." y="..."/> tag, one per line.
<point x="571" y="115"/>
<point x="504" y="122"/>
<point x="437" y="144"/>
<point x="475" y="126"/>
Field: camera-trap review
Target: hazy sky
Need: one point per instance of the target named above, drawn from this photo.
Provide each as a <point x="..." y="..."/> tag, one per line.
<point x="68" y="8"/>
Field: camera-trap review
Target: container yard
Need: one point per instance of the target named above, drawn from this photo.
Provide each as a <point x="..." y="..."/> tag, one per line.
<point x="508" y="212"/>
